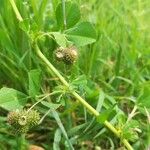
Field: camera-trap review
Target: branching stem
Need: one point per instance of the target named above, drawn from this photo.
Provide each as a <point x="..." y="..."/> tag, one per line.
<point x="65" y="83"/>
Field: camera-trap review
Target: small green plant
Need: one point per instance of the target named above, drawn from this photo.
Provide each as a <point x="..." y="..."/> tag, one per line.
<point x="68" y="57"/>
<point x="74" y="84"/>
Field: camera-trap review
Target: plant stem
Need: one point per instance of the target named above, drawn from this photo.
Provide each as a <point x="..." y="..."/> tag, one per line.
<point x="40" y="100"/>
<point x="78" y="97"/>
<point x="21" y="143"/>
<point x="16" y="10"/>
<point x="50" y="66"/>
<point x="61" y="78"/>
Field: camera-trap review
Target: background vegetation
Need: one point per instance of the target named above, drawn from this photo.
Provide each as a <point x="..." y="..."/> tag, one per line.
<point x="112" y="73"/>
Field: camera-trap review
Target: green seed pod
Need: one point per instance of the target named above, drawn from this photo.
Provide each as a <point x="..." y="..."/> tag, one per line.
<point x="22" y="130"/>
<point x="13" y="117"/>
<point x="33" y="118"/>
<point x="23" y="120"/>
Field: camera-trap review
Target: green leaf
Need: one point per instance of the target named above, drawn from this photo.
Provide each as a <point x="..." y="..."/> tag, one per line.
<point x="34" y="82"/>
<point x="57" y="139"/>
<point x="79" y="82"/>
<point x="100" y="101"/>
<point x="144" y="98"/>
<point x="77" y="129"/>
<point x="63" y="130"/>
<point x="11" y="99"/>
<point x="106" y="115"/>
<point x="25" y="25"/>
<point x="60" y="39"/>
<point x="5" y="40"/>
<point x="81" y="34"/>
<point x="129" y="131"/>
<point x="50" y="105"/>
<point x="72" y="12"/>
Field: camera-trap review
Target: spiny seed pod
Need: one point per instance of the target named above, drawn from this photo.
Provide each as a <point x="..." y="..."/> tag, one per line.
<point x="67" y="55"/>
<point x="22" y="129"/>
<point x="23" y="120"/>
<point x="17" y="117"/>
<point x="13" y="117"/>
<point x="33" y="117"/>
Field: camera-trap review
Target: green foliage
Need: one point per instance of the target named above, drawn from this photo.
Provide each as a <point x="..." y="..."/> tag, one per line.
<point x="57" y="139"/>
<point x="82" y="34"/>
<point x="106" y="115"/>
<point x="129" y="131"/>
<point x="112" y="72"/>
<point x="51" y="105"/>
<point x="60" y="39"/>
<point x="144" y="97"/>
<point x="71" y="12"/>
<point x="25" y="25"/>
<point x="11" y="99"/>
<point x="129" y="128"/>
<point x="34" y="82"/>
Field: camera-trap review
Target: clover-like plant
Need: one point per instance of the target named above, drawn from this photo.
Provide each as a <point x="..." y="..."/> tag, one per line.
<point x="71" y="35"/>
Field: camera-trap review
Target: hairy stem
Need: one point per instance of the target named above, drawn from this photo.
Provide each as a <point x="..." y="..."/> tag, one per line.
<point x="65" y="83"/>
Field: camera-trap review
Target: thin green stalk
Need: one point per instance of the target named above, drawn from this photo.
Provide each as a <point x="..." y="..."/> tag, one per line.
<point x="79" y="98"/>
<point x="21" y="143"/>
<point x="16" y="10"/>
<point x="50" y="66"/>
<point x="76" y="95"/>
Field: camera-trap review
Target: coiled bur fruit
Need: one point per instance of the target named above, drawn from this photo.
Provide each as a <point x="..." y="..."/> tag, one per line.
<point x="23" y="120"/>
<point x="33" y="118"/>
<point x="67" y="55"/>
